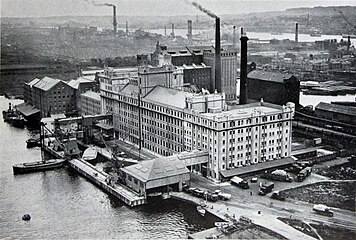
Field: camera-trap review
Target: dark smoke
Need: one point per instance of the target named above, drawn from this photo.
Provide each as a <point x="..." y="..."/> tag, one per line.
<point x="202" y="9"/>
<point x="99" y="4"/>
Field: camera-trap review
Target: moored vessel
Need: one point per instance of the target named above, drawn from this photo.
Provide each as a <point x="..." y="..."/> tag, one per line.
<point x="90" y="154"/>
<point x="33" y="142"/>
<point x="201" y="210"/>
<point x="37" y="166"/>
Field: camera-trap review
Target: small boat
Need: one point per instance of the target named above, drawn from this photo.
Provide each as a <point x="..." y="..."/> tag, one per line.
<point x="7" y="114"/>
<point x="315" y="35"/>
<point x="17" y="121"/>
<point x="166" y="196"/>
<point x="201" y="210"/>
<point x="33" y="142"/>
<point x="37" y="166"/>
<point x="90" y="154"/>
<point x="26" y="217"/>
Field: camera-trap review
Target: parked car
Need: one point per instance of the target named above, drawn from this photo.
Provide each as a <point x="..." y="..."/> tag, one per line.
<point x="277" y="195"/>
<point x="254" y="179"/>
<point x="198" y="192"/>
<point x="222" y="195"/>
<point x="323" y="210"/>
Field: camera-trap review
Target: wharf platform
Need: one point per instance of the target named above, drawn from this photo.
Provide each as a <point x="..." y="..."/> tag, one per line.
<point x="55" y="154"/>
<point x="100" y="179"/>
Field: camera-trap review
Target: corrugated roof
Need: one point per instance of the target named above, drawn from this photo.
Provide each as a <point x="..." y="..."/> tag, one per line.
<point x="158" y="168"/>
<point x="33" y="82"/>
<point x="347" y="110"/>
<point x="46" y="83"/>
<point x="269" y="76"/>
<point x="75" y="83"/>
<point x="168" y="96"/>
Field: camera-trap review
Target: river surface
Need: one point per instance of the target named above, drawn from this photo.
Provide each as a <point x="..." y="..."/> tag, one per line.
<point x="63" y="205"/>
<point x="252" y="35"/>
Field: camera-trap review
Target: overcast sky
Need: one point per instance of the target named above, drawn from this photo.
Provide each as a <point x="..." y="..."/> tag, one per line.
<point x="42" y="8"/>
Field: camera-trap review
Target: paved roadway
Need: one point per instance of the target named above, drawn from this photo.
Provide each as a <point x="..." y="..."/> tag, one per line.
<point x="242" y="202"/>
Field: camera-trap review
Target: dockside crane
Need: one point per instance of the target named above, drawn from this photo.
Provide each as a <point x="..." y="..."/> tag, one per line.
<point x="346" y="19"/>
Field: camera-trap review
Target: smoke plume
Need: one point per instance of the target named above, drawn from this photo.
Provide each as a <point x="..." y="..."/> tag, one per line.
<point x="99" y="4"/>
<point x="202" y="9"/>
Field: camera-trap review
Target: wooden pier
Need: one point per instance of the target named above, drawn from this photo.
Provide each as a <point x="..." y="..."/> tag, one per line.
<point x="100" y="179"/>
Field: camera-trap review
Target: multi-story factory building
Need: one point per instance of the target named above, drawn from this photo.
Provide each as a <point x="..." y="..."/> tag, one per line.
<point x="162" y="118"/>
<point x="170" y="121"/>
<point x="228" y="71"/>
<point x="113" y="80"/>
<point x="205" y="58"/>
<point x="248" y="134"/>
<point x="53" y="96"/>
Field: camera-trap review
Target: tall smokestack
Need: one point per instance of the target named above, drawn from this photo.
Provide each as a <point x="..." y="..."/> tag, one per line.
<point x="165" y="31"/>
<point x="190" y="31"/>
<point x="296" y="32"/>
<point x="217" y="56"/>
<point x="172" y="29"/>
<point x="243" y="69"/>
<point x="114" y="18"/>
<point x="234" y="36"/>
<point x="348" y="43"/>
<point x="190" y="27"/>
<point x="127" y="28"/>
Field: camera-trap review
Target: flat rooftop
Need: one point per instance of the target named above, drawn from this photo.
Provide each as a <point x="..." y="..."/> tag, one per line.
<point x="243" y="111"/>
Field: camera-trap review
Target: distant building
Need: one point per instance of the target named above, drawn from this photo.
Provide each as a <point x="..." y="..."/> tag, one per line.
<point x="90" y="103"/>
<point x="81" y="85"/>
<point x="336" y="112"/>
<point x="28" y="92"/>
<point x="228" y="71"/>
<point x="198" y="75"/>
<point x="142" y="59"/>
<point x="199" y="55"/>
<point x="273" y="87"/>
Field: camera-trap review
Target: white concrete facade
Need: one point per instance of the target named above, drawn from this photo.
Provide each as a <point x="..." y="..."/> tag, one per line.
<point x="250" y="134"/>
<point x="173" y="121"/>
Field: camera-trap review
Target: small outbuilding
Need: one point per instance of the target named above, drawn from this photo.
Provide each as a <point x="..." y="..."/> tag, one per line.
<point x="157" y="175"/>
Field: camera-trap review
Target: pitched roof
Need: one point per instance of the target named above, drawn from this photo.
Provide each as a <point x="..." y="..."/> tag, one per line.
<point x="269" y="76"/>
<point x="347" y="110"/>
<point x="91" y="94"/>
<point x="75" y="83"/>
<point x="129" y="89"/>
<point x="46" y="83"/>
<point x="157" y="168"/>
<point x="33" y="82"/>
<point x="168" y="96"/>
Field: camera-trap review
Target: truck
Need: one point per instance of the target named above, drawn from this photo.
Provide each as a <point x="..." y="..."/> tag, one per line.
<point x="278" y="175"/>
<point x="323" y="210"/>
<point x="266" y="188"/>
<point x="240" y="182"/>
<point x="303" y="174"/>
